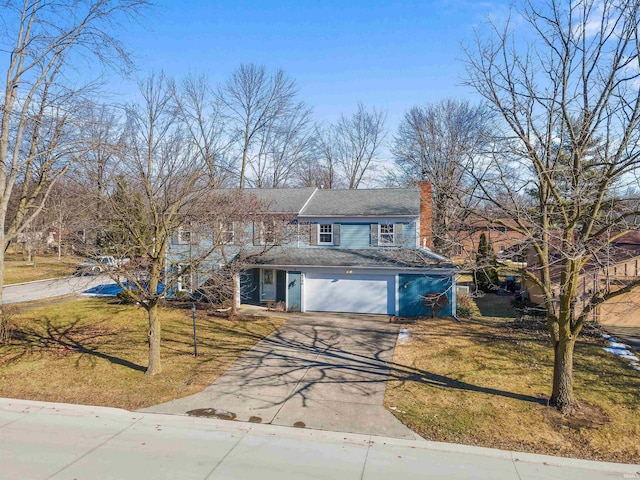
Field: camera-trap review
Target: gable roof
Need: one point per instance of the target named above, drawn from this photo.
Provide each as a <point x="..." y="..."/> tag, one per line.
<point x="314" y="202"/>
<point x="368" y="203"/>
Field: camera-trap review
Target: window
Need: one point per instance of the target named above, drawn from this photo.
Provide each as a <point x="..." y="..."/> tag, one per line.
<point x="184" y="277"/>
<point x="184" y="237"/>
<point x="265" y="233"/>
<point x="267" y="277"/>
<point x="226" y="233"/>
<point x="502" y="249"/>
<point x="386" y="235"/>
<point x="325" y="234"/>
<point x="456" y="249"/>
<point x="268" y="232"/>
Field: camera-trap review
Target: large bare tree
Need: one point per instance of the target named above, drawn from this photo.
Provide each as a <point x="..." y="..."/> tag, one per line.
<point x="254" y="99"/>
<point x="350" y="148"/>
<point x="158" y="185"/>
<point x="439" y="143"/>
<point x="201" y="114"/>
<point x="283" y="148"/>
<point x="42" y="41"/>
<point x="565" y="85"/>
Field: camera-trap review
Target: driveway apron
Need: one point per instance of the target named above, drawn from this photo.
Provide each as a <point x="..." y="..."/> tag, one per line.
<point x="319" y="371"/>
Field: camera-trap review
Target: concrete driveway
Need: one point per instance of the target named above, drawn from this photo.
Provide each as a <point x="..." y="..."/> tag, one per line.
<point x="318" y="371"/>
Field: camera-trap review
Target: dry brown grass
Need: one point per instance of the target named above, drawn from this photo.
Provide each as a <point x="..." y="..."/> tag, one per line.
<point x="18" y="270"/>
<point x="94" y="352"/>
<point x="481" y="383"/>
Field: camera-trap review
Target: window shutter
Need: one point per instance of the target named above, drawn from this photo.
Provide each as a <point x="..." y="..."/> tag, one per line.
<point x="174" y="238"/>
<point x="279" y="231"/>
<point x="397" y="234"/>
<point x="236" y="233"/>
<point x="313" y="237"/>
<point x="336" y="233"/>
<point x="374" y="234"/>
<point x="256" y="233"/>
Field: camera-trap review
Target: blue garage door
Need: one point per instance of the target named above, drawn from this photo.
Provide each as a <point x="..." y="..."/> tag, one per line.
<point x="413" y="288"/>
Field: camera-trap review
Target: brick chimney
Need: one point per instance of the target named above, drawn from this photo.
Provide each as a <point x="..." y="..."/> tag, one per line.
<point x="426" y="218"/>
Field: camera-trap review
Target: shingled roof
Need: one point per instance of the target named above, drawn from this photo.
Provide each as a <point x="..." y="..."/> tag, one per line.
<point x="340" y="257"/>
<point x="313" y="202"/>
<point x="370" y="202"/>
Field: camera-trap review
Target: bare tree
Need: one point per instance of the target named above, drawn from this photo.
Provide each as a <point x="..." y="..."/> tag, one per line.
<point x="321" y="170"/>
<point x="568" y="99"/>
<point x="159" y="184"/>
<point x="353" y="144"/>
<point x="42" y="42"/>
<point x="283" y="148"/>
<point x="439" y="143"/>
<point x="201" y="113"/>
<point x="254" y="99"/>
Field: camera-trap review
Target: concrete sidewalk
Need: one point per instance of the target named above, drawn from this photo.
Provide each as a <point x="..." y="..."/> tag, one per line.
<point x="41" y="440"/>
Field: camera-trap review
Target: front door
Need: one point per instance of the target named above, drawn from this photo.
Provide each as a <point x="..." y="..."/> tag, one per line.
<point x="268" y="285"/>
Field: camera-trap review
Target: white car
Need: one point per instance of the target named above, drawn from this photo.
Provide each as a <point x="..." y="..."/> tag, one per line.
<point x="98" y="265"/>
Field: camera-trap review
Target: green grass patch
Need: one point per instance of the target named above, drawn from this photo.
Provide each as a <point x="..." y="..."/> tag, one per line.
<point x="492" y="305"/>
<point x="18" y="270"/>
<point x="482" y="383"/>
<point x="95" y="352"/>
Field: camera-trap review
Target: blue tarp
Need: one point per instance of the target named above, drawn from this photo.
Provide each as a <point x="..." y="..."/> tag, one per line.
<point x="113" y="289"/>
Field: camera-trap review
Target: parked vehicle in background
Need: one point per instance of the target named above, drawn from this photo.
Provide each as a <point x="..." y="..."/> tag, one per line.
<point x="100" y="264"/>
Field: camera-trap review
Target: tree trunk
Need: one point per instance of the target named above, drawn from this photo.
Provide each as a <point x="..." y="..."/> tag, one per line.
<point x="154" y="341"/>
<point x="562" y="394"/>
<point x="235" y="303"/>
<point x="2" y="251"/>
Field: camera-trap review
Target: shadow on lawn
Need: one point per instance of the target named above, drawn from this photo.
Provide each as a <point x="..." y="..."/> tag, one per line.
<point x="72" y="337"/>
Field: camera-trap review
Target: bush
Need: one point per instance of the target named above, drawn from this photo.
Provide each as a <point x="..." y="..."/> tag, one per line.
<point x="466" y="307"/>
<point x="126" y="299"/>
<point x="182" y="296"/>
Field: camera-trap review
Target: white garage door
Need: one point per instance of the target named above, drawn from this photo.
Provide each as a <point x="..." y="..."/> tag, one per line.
<point x="349" y="293"/>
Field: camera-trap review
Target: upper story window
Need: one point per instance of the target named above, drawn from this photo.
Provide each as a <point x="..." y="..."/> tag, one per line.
<point x="325" y="234"/>
<point x="183" y="237"/>
<point x="227" y="234"/>
<point x="267" y="232"/>
<point x="386" y="234"/>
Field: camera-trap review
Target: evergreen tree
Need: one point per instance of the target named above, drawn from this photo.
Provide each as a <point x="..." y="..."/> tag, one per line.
<point x="486" y="274"/>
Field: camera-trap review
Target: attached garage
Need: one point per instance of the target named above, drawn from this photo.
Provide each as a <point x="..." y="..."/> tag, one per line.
<point x="353" y="293"/>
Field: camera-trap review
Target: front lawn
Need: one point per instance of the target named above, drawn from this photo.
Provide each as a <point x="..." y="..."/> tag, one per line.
<point x="95" y="352"/>
<point x="18" y="270"/>
<point x="484" y="382"/>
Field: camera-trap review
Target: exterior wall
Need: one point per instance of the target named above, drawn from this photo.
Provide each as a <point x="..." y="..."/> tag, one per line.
<point x="412" y="288"/>
<point x="354" y="235"/>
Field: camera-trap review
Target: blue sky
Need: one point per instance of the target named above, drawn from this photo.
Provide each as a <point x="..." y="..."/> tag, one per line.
<point x="390" y="55"/>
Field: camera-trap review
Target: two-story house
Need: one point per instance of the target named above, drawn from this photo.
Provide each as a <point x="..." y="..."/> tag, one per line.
<point x="356" y="251"/>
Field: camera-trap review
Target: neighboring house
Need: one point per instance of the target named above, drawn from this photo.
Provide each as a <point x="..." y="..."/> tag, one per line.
<point x="616" y="266"/>
<point x="355" y="251"/>
<point x="507" y="244"/>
